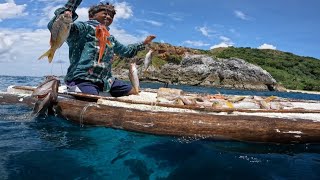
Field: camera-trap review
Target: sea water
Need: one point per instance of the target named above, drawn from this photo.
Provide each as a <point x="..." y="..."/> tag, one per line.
<point x="54" y="148"/>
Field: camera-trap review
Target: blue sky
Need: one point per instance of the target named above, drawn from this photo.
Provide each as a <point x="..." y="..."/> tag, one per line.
<point x="285" y="25"/>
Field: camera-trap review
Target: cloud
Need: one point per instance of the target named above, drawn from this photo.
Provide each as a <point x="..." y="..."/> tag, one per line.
<point x="205" y="31"/>
<point x="173" y="16"/>
<point x="222" y="44"/>
<point x="195" y="43"/>
<point x="125" y="38"/>
<point x="241" y="15"/>
<point x="48" y="13"/>
<point x="5" y="43"/>
<point x="267" y="46"/>
<point x="225" y="39"/>
<point x="82" y="13"/>
<point x="11" y="10"/>
<point x="154" y="23"/>
<point x="226" y="42"/>
<point x="123" y="10"/>
<point x="23" y="48"/>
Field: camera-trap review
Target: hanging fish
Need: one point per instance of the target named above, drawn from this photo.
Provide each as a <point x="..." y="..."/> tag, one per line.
<point x="133" y="76"/>
<point x="148" y="59"/>
<point x="102" y="35"/>
<point x="59" y="33"/>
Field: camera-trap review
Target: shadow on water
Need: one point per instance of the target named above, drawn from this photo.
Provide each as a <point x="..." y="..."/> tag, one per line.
<point x="46" y="164"/>
<point x="138" y="169"/>
<point x="230" y="159"/>
<point x="40" y="148"/>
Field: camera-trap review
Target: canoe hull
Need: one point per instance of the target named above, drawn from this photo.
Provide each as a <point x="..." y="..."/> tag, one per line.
<point x="198" y="125"/>
<point x="192" y="123"/>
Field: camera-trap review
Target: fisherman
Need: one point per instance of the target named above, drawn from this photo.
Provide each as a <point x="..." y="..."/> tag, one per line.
<point x="90" y="70"/>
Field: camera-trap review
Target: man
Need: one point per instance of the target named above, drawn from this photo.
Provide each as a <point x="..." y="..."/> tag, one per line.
<point x="87" y="72"/>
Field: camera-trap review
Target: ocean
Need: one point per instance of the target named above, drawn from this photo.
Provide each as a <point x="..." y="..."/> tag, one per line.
<point x="54" y="148"/>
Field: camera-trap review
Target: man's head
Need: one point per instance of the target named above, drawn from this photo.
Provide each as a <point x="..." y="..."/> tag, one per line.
<point x="103" y="13"/>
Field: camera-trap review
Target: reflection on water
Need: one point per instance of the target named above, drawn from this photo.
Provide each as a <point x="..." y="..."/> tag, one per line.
<point x="54" y="148"/>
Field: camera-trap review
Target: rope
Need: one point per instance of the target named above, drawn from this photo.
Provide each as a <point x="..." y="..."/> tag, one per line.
<point x="84" y="110"/>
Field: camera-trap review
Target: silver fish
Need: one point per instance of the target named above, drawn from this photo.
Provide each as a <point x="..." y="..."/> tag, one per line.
<point x="46" y="93"/>
<point x="59" y="33"/>
<point x="148" y="59"/>
<point x="133" y="76"/>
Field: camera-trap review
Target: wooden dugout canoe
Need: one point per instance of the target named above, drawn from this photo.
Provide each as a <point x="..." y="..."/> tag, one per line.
<point x="255" y="125"/>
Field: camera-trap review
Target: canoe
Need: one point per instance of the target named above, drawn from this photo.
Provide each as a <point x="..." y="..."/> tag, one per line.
<point x="288" y="121"/>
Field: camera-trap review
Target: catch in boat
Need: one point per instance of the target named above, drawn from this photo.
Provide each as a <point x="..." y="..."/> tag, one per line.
<point x="173" y="112"/>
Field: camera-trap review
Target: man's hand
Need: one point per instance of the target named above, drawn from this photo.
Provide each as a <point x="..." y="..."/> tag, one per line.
<point x="68" y="13"/>
<point x="149" y="39"/>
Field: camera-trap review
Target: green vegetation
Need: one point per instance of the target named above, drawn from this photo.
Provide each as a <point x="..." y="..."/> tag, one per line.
<point x="292" y="71"/>
<point x="158" y="62"/>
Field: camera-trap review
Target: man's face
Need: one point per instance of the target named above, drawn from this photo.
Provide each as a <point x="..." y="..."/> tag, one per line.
<point x="104" y="17"/>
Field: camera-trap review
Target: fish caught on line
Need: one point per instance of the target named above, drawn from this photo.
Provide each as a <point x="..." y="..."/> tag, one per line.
<point x="133" y="76"/>
<point x="102" y="35"/>
<point x="59" y="33"/>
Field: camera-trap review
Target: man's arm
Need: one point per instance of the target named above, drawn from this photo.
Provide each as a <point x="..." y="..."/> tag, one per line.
<point x="132" y="49"/>
<point x="71" y="6"/>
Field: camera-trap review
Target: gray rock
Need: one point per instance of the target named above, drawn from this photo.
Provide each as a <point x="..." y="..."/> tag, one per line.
<point x="207" y="71"/>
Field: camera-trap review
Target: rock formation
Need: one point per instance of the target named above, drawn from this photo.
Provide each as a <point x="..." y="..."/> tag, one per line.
<point x="203" y="70"/>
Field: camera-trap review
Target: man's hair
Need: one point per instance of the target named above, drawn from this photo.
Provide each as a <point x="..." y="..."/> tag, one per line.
<point x="101" y="7"/>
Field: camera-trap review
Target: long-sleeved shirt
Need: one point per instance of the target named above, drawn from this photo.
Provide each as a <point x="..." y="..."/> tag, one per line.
<point x="84" y="50"/>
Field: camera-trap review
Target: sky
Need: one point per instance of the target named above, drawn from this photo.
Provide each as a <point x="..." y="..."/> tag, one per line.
<point x="286" y="25"/>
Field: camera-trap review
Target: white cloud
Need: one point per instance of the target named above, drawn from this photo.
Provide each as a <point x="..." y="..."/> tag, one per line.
<point x="241" y="15"/>
<point x="226" y="42"/>
<point x="173" y="16"/>
<point x="195" y="43"/>
<point x="11" y="10"/>
<point x="125" y="38"/>
<point x="48" y="13"/>
<point x="154" y="23"/>
<point x="123" y="10"/>
<point x="83" y="14"/>
<point x="267" y="46"/>
<point x="222" y="44"/>
<point x="205" y="31"/>
<point x="24" y="47"/>
<point x="225" y="39"/>
<point x="5" y="43"/>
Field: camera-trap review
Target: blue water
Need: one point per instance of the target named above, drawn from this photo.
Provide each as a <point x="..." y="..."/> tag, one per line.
<point x="53" y="148"/>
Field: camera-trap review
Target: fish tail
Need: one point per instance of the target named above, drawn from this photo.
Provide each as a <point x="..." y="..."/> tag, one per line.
<point x="136" y="89"/>
<point x="49" y="54"/>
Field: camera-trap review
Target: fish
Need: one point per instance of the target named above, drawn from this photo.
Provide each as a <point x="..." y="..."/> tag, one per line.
<point x="59" y="33"/>
<point x="133" y="76"/>
<point x="46" y="94"/>
<point x="148" y="59"/>
<point x="102" y="35"/>
<point x="270" y="98"/>
<point x="229" y="104"/>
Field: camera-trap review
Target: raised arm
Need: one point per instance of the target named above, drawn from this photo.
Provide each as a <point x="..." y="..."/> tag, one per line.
<point x="132" y="49"/>
<point x="71" y="6"/>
